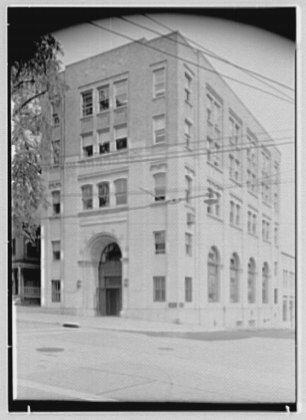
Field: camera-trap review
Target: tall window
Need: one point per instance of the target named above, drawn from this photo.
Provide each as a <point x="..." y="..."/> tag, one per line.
<point x="251" y="281"/>
<point x="188" y="289"/>
<point x="252" y="164"/>
<point x="265" y="230"/>
<point x="160" y="186"/>
<point x="121" y="191"/>
<point x="235" y="213"/>
<point x="103" y="191"/>
<point x="188" y="88"/>
<point x="121" y="137"/>
<point x="187" y="133"/>
<point x="87" y="103"/>
<point x="213" y="267"/>
<point x="121" y="93"/>
<point x="87" y="197"/>
<point x="235" y="155"/>
<point x="214" y="130"/>
<point x="266" y="177"/>
<point x="159" y="129"/>
<point x="160" y="242"/>
<point x="285" y="279"/>
<point x="265" y="283"/>
<point x="56" y="250"/>
<point x="188" y="182"/>
<point x="276" y="235"/>
<point x="214" y="209"/>
<point x="159" y="289"/>
<point x="188" y="244"/>
<point x="103" y="98"/>
<point x="234" y="279"/>
<point x="56" y="290"/>
<point x="56" y="151"/>
<point x="159" y="82"/>
<point x="56" y="202"/>
<point x="104" y="142"/>
<point x="87" y="145"/>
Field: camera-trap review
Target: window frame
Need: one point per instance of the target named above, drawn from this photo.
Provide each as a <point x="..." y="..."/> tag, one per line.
<point x="120" y="194"/>
<point x="100" y="196"/>
<point x="107" y="99"/>
<point x="56" y="204"/>
<point x="56" y="250"/>
<point x="157" y="93"/>
<point x="160" y="242"/>
<point x="160" y="193"/>
<point x="188" y="289"/>
<point x="87" y="199"/>
<point x="159" y="289"/>
<point x="56" y="289"/>
<point x="84" y="107"/>
<point x="161" y="132"/>
<point x="118" y="104"/>
<point x="213" y="275"/>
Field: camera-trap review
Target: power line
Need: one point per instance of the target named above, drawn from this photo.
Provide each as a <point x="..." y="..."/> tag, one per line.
<point x="188" y="61"/>
<point x="184" y="154"/>
<point x="220" y="138"/>
<point x="257" y="76"/>
<point x="218" y="57"/>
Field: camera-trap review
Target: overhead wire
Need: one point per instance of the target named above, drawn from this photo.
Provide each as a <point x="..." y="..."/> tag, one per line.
<point x="254" y="75"/>
<point x="192" y="63"/>
<point x="154" y="158"/>
<point x="218" y="57"/>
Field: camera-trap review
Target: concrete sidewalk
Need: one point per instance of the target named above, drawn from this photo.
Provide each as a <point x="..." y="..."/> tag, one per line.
<point x="34" y="314"/>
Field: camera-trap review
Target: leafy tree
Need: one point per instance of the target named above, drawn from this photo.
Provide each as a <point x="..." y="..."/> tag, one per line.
<point x="36" y="84"/>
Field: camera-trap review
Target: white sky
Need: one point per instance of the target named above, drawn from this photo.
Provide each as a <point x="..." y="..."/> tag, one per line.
<point x="255" y="49"/>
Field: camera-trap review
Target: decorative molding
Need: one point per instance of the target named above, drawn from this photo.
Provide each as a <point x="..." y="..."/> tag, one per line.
<point x="54" y="185"/>
<point x="158" y="166"/>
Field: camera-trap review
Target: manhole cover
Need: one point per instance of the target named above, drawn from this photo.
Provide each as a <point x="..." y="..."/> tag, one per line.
<point x="165" y="348"/>
<point x="50" y="349"/>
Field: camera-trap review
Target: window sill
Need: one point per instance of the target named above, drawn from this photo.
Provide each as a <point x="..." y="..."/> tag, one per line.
<point x="239" y="183"/>
<point x="253" y="235"/>
<point x="105" y="111"/>
<point x="106" y="209"/>
<point x="267" y="204"/>
<point x="86" y="117"/>
<point x="190" y="207"/>
<point x="215" y="167"/>
<point x="236" y="227"/>
<point x="188" y="103"/>
<point x="212" y="216"/>
<point x="55" y="216"/>
<point x="101" y="155"/>
<point x="161" y="95"/>
<point x="253" y="194"/>
<point x="155" y="145"/>
<point x="158" y="203"/>
<point x="267" y="241"/>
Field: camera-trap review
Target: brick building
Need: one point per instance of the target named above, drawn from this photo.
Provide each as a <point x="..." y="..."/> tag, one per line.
<point x="146" y="133"/>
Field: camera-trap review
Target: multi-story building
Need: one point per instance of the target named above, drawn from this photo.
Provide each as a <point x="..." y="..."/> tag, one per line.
<point x="25" y="270"/>
<point x="146" y="133"/>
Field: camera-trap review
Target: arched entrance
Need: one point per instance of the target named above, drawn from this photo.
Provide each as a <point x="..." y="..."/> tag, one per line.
<point x="110" y="281"/>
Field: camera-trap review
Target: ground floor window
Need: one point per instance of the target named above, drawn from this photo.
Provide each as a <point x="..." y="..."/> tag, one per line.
<point x="56" y="290"/>
<point x="265" y="283"/>
<point x="159" y="289"/>
<point x="213" y="275"/>
<point x="251" y="281"/>
<point x="285" y="310"/>
<point x="188" y="289"/>
<point x="234" y="279"/>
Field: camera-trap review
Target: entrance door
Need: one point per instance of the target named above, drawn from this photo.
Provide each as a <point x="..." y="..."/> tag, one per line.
<point x="112" y="302"/>
<point x="109" y="290"/>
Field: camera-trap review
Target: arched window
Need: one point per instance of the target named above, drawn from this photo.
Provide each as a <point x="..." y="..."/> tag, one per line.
<point x="111" y="253"/>
<point x="213" y="275"/>
<point x="265" y="283"/>
<point x="251" y="281"/>
<point x="234" y="278"/>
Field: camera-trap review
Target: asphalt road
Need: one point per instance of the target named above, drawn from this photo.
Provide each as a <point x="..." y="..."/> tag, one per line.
<point x="92" y="364"/>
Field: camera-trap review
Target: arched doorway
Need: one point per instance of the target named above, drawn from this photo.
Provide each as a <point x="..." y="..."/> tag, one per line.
<point x="110" y="281"/>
